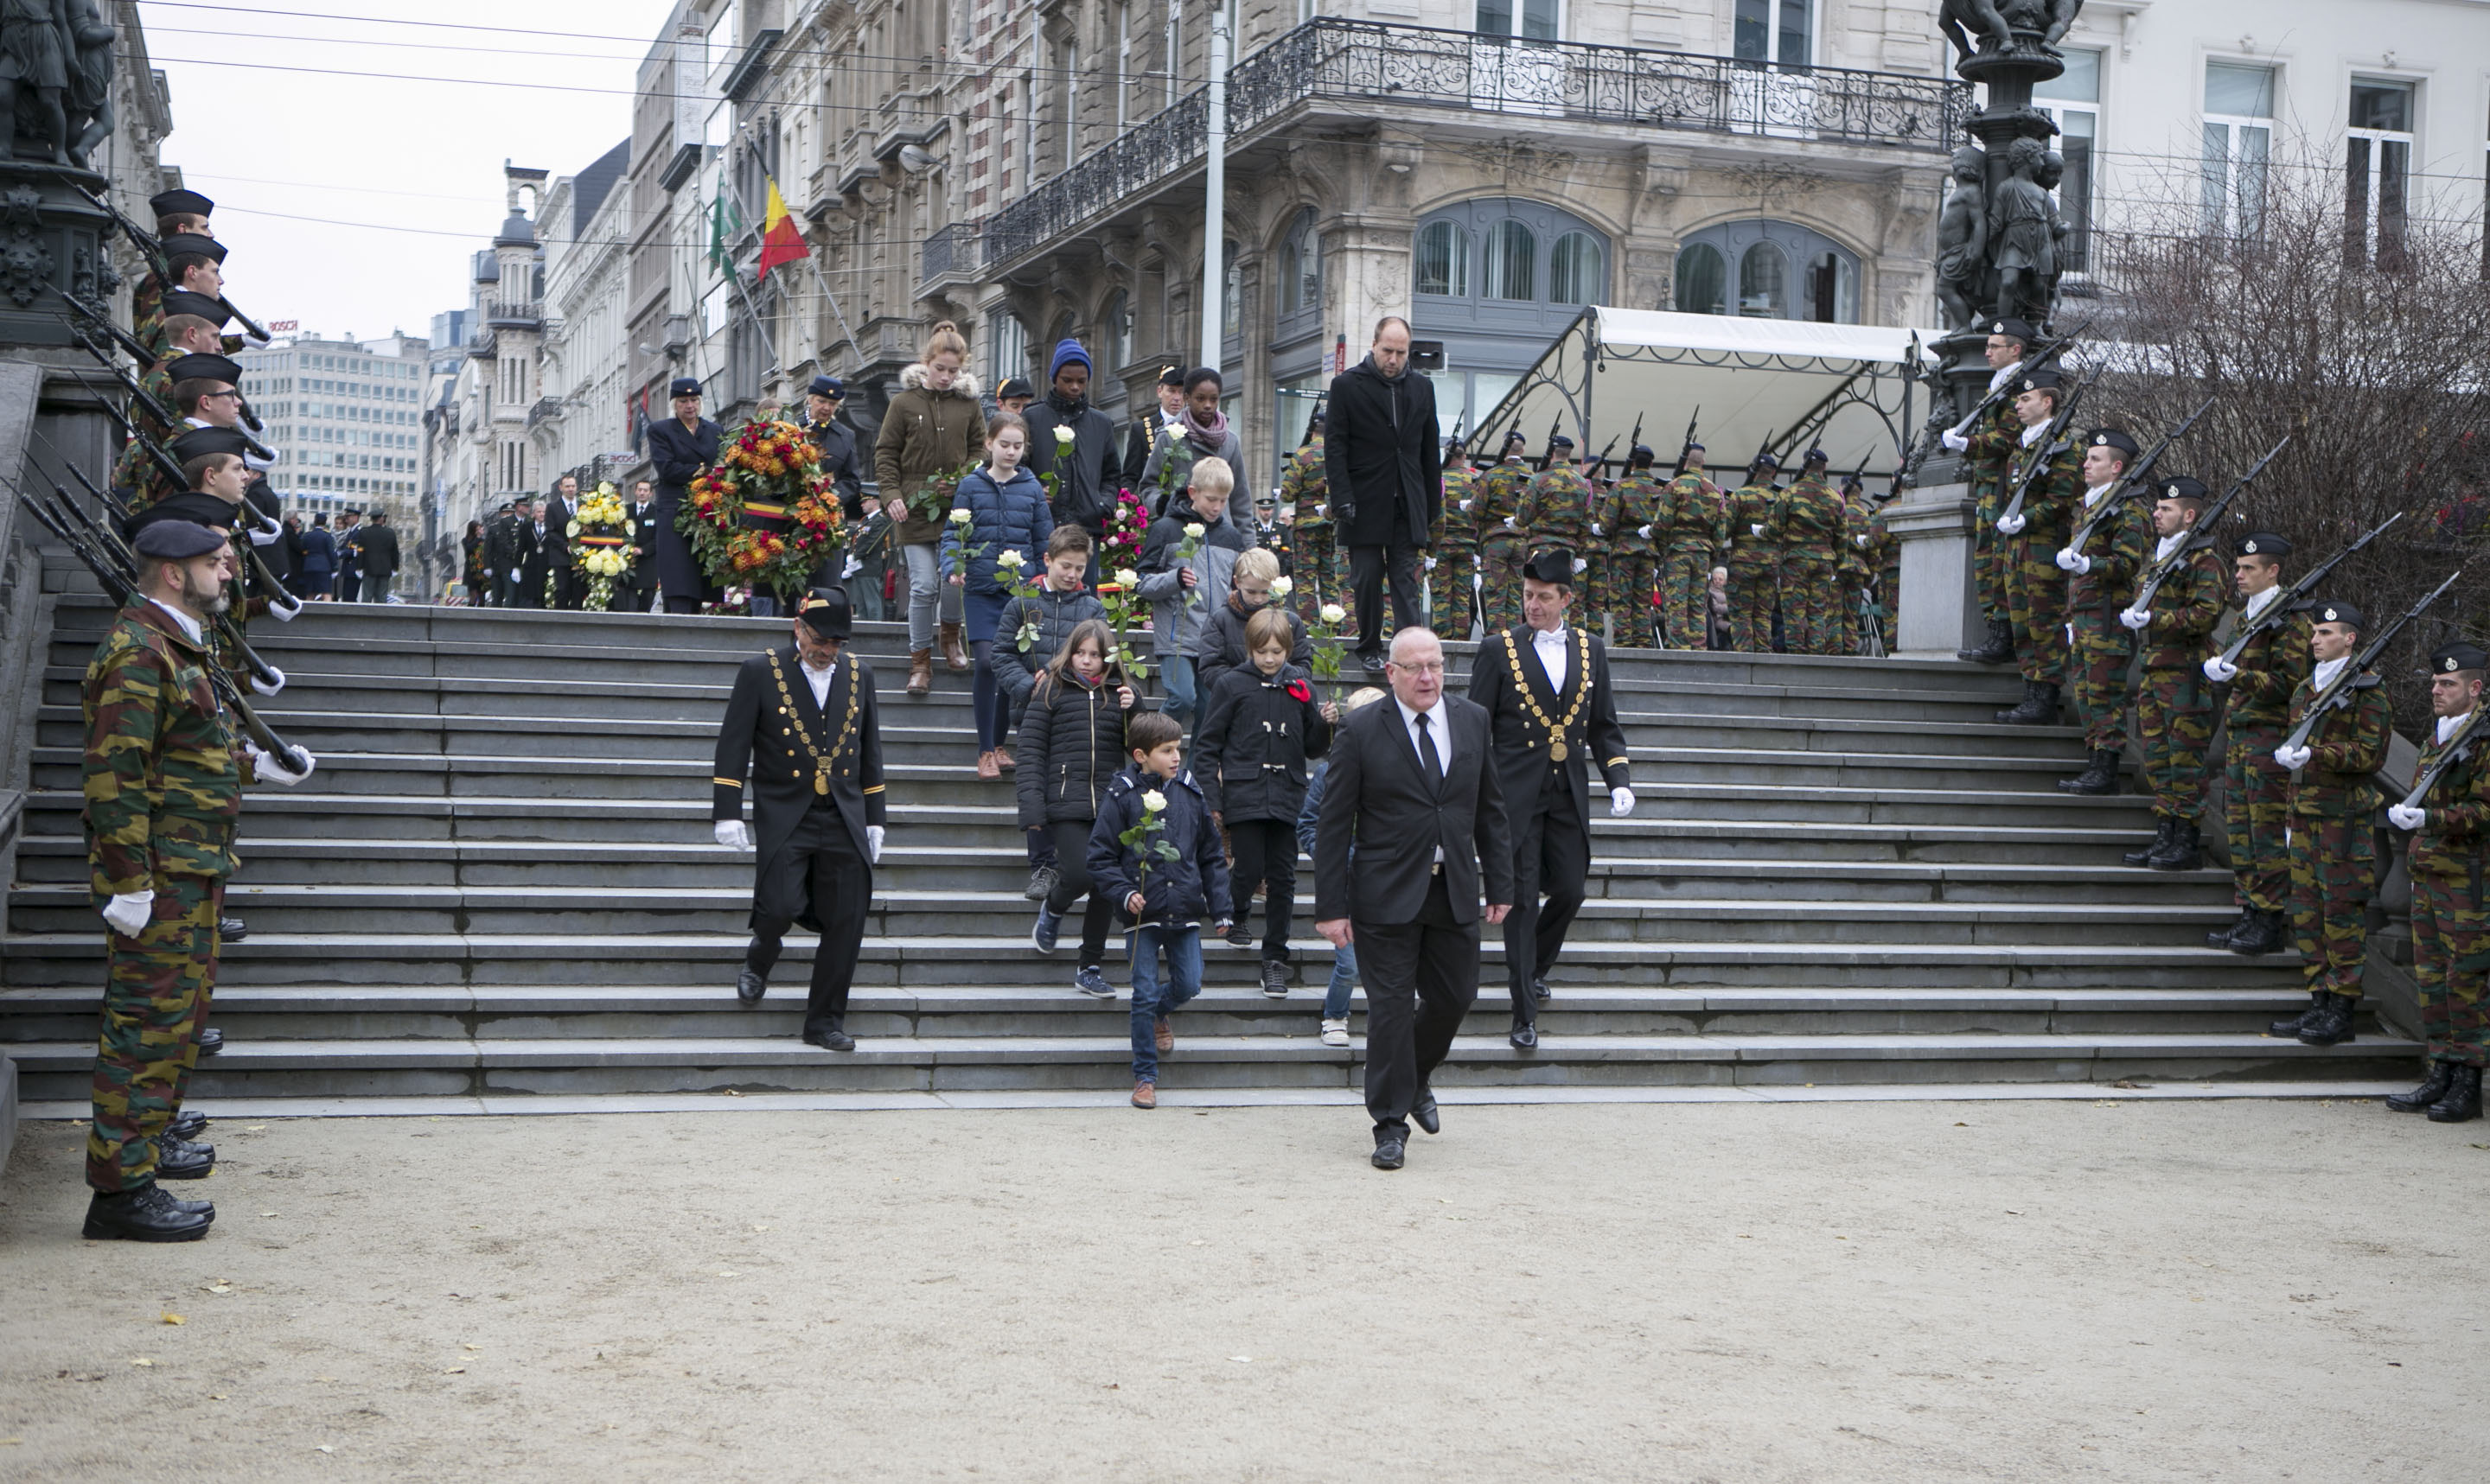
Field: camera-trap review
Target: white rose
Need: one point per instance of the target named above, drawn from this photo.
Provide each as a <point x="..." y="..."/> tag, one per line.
<point x="1280" y="587"/>
<point x="1126" y="577"/>
<point x="1009" y="559"/>
<point x="1153" y="802"/>
<point x="959" y="517"/>
<point x="1193" y="531"/>
<point x="1062" y="438"/>
<point x="1333" y="613"/>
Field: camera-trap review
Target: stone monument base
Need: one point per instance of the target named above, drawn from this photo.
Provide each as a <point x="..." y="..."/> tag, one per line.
<point x="1940" y="610"/>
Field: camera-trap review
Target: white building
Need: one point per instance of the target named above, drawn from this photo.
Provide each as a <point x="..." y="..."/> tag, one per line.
<point x="481" y="437"/>
<point x="345" y="419"/>
<point x="582" y="424"/>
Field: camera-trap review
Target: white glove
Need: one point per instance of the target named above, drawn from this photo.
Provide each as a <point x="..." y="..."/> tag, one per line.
<point x="1431" y="564"/>
<point x="1621" y="802"/>
<point x="1643" y="531"/>
<point x="256" y="342"/>
<point x="129" y="912"/>
<point x="1954" y="440"/>
<point x="1860" y="541"/>
<point x="2406" y="818"/>
<point x="1465" y="504"/>
<point x="2065" y="560"/>
<point x="1319" y="509"/>
<point x="2292" y="757"/>
<point x="284" y="605"/>
<point x="2219" y="670"/>
<point x="1595" y="529"/>
<point x="2011" y="525"/>
<point x="1757" y="529"/>
<point x="732" y="834"/>
<point x="260" y="537"/>
<point x="854" y="565"/>
<point x="873" y="844"/>
<point x="1581" y="565"/>
<point x="267" y="688"/>
<point x="1508" y="524"/>
<point x="2133" y="619"/>
<point x="264" y="767"/>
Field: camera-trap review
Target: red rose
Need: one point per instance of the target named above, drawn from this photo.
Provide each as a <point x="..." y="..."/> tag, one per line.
<point x="1299" y="691"/>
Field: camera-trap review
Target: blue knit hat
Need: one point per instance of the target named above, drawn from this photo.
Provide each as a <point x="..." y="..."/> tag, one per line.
<point x="1065" y="352"/>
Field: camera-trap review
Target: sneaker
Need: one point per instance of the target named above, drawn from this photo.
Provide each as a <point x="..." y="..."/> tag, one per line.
<point x="1165" y="1036"/>
<point x="1335" y="1033"/>
<point x="1049" y="927"/>
<point x="1146" y="1095"/>
<point x="1240" y="936"/>
<point x="1093" y="982"/>
<point x="1041" y="882"/>
<point x="1275" y="978"/>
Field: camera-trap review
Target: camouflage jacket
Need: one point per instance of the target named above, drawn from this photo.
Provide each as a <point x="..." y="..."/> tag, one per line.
<point x="2050" y="499"/>
<point x="1860" y="523"/>
<point x="2271" y="668"/>
<point x="1302" y="488"/>
<point x="2119" y="549"/>
<point x="1499" y="502"/>
<point x="1809" y="523"/>
<point x="1992" y="440"/>
<point x="1638" y="500"/>
<point x="147" y="315"/>
<point x="1692" y="517"/>
<point x="164" y="773"/>
<point x="1556" y="510"/>
<point x="1754" y="534"/>
<point x="1456" y="527"/>
<point x="2455" y="822"/>
<point x="2344" y="750"/>
<point x="2185" y="611"/>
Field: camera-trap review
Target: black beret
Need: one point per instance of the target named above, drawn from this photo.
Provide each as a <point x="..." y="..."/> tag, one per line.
<point x="1560" y="441"/>
<point x="1017" y="386"/>
<point x="2112" y="437"/>
<point x="180" y="203"/>
<point x="1694" y="445"/>
<point x="196" y="443"/>
<point x="1554" y="567"/>
<point x="206" y="367"/>
<point x="182" y="242"/>
<point x="2012" y="330"/>
<point x="2458" y="654"/>
<point x="825" y="386"/>
<point x="684" y="386"/>
<point x="1817" y="456"/>
<point x="2264" y="543"/>
<point x="1767" y="461"/>
<point x="1516" y="438"/>
<point x="2043" y="380"/>
<point x="2181" y="487"/>
<point x="1641" y="454"/>
<point x="826" y="611"/>
<point x="2343" y="614"/>
<point x="178" y="541"/>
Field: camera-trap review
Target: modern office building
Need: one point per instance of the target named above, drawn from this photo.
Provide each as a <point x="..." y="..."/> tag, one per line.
<point x="345" y="418"/>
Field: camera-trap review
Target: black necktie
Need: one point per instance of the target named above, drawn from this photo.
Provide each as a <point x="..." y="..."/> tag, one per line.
<point x="1429" y="761"/>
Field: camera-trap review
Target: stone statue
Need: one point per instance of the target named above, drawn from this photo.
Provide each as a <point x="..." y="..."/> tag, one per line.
<point x="88" y="107"/>
<point x="1962" y="239"/>
<point x="34" y="72"/>
<point x="2022" y="215"/>
<point x="1954" y="16"/>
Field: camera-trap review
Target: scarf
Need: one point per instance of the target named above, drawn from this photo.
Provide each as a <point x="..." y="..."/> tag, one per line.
<point x="2446" y="726"/>
<point x="1066" y="409"/>
<point x="1206" y="438"/>
<point x="2261" y="601"/>
<point x="2168" y="544"/>
<point x="2035" y="433"/>
<point x="2327" y="672"/>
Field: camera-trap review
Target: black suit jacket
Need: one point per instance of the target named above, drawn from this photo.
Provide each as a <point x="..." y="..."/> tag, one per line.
<point x="1522" y="739"/>
<point x="1381" y="464"/>
<point x="679" y="454"/>
<point x="1375" y="796"/>
<point x="760" y="737"/>
<point x="536" y="555"/>
<point x="644" y="524"/>
<point x="838" y="446"/>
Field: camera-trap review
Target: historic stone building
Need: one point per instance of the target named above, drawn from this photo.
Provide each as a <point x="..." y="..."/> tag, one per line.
<point x="488" y="456"/>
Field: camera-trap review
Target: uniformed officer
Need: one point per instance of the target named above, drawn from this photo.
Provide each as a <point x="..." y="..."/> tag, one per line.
<point x="1987" y="447"/>
<point x="2050" y="476"/>
<point x="1502" y="544"/>
<point x="1550" y="710"/>
<point x="1811" y="533"/>
<point x="2334" y="855"/>
<point x="163" y="779"/>
<point x="2450" y="829"/>
<point x="2102" y="576"/>
<point x="802" y="721"/>
<point x="1691" y="533"/>
<point x="1629" y="518"/>
<point x="1452" y="557"/>
<point x="2256" y="795"/>
<point x="178" y="214"/>
<point x="2174" y="705"/>
<point x="1316" y="568"/>
<point x="1750" y="512"/>
<point x="1555" y="512"/>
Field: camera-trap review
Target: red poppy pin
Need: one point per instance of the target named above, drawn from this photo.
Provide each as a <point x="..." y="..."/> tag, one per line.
<point x="1298" y="690"/>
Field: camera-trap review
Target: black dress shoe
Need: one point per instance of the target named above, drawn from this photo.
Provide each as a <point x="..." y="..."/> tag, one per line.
<point x="188" y="1125"/>
<point x="1388" y="1155"/>
<point x="1424" y="1114"/>
<point x="1373" y="662"/>
<point x="144" y="1214"/>
<point x="210" y="1040"/>
<point x="231" y="930"/>
<point x="1540" y="992"/>
<point x="181" y="1159"/>
<point x="2442" y="1076"/>
<point x="750" y="986"/>
<point x="1524" y="1037"/>
<point x="829" y="1037"/>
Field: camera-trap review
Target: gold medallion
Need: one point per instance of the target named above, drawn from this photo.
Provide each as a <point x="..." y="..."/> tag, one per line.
<point x="1557" y="750"/>
<point x="821" y="783"/>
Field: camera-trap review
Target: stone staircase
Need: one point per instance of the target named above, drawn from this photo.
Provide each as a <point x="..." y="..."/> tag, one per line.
<point x="501" y="886"/>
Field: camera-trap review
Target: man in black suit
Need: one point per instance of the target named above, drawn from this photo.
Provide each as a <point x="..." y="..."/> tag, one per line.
<point x="379" y="558"/>
<point x="803" y="719"/>
<point x="1383" y="465"/>
<point x="1546" y="694"/>
<point x="681" y="447"/>
<point x="532" y="548"/>
<point x="636" y="592"/>
<point x="1142" y="435"/>
<point x="560" y="511"/>
<point x="1413" y="786"/>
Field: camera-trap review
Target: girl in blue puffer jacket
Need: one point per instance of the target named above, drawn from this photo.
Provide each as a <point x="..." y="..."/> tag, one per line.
<point x="996" y="510"/>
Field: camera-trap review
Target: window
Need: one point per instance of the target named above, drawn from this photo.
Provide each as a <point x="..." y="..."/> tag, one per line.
<point x="1831" y="289"/>
<point x="2376" y="172"/>
<point x="1575" y="273"/>
<point x="1531" y="20"/>
<point x="1231" y="292"/>
<point x="1011" y="349"/>
<point x="1768" y="269"/>
<point x="1119" y="330"/>
<point x="1445" y="260"/>
<point x="1781" y="31"/>
<point x="2239" y="134"/>
<point x="1300" y="275"/>
<point x="2073" y="100"/>
<point x="1174" y="60"/>
<point x="1763" y="289"/>
<point x="1511" y="261"/>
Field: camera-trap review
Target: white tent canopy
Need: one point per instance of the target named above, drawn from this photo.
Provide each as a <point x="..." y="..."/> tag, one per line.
<point x="1849" y="388"/>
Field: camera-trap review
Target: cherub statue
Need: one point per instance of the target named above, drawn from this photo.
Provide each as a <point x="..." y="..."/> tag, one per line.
<point x="1954" y="16"/>
<point x="2022" y="216"/>
<point x="1962" y="238"/>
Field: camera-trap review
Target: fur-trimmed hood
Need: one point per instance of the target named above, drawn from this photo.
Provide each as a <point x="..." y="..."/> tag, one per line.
<point x="911" y="377"/>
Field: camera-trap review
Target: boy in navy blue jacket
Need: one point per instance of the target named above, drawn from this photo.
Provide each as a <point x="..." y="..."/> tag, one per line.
<point x="1167" y="879"/>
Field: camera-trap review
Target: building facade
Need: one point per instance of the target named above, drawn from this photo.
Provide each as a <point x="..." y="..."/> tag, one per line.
<point x="482" y="452"/>
<point x="345" y="418"/>
<point x="583" y="421"/>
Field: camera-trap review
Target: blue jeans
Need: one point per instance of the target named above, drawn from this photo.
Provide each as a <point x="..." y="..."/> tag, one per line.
<point x="1178" y="670"/>
<point x="1343" y="982"/>
<point x="1155" y="998"/>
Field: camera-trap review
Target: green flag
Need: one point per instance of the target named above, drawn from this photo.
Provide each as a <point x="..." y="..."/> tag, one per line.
<point x="725" y="225"/>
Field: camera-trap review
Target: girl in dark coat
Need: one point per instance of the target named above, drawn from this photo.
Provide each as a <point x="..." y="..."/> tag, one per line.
<point x="999" y="522"/>
<point x="1071" y="745"/>
<point x="1262" y="725"/>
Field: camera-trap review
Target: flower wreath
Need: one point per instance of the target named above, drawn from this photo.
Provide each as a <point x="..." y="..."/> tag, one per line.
<point x="600" y="546"/>
<point x="764" y="516"/>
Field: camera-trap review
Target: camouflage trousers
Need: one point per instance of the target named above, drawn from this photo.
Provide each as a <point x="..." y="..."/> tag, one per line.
<point x="1449" y="599"/>
<point x="2104" y="651"/>
<point x="2174" y="720"/>
<point x="2036" y="603"/>
<point x="1685" y="600"/>
<point x="1811" y="606"/>
<point x="1988" y="554"/>
<point x="155" y="999"/>
<point x="1499" y="569"/>
<point x="1754" y="593"/>
<point x="2333" y="870"/>
<point x="1628" y="578"/>
<point x="2449" y="924"/>
<point x="2256" y="812"/>
<point x="1320" y="568"/>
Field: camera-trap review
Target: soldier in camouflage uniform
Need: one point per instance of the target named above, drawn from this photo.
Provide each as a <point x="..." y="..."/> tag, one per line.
<point x="2334" y="855"/>
<point x="2101" y="577"/>
<point x="1629" y="517"/>
<point x="1303" y="490"/>
<point x="2050" y="476"/>
<point x="1987" y="446"/>
<point x="2256" y="795"/>
<point x="164" y="780"/>
<point x="1556" y="513"/>
<point x="1855" y="565"/>
<point x="1810" y="532"/>
<point x="1502" y="544"/>
<point x="178" y="214"/>
<point x="1452" y="557"/>
<point x="135" y="473"/>
<point x="1690" y="534"/>
<point x="1751" y="513"/>
<point x="2450" y="930"/>
<point x="2174" y="705"/>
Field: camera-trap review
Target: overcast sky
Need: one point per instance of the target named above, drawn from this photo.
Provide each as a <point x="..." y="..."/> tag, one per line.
<point x="356" y="163"/>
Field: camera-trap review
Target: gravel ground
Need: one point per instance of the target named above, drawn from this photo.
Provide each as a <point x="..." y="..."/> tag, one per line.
<point x="1906" y="1292"/>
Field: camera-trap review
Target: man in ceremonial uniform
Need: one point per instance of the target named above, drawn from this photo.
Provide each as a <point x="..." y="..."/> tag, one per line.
<point x="164" y="780"/>
<point x="2333" y="853"/>
<point x="1551" y="711"/>
<point x="802" y="721"/>
<point x="1452" y="558"/>
<point x="1145" y="430"/>
<point x="2174" y="705"/>
<point x="2050" y="476"/>
<point x="2450" y="829"/>
<point x="1690" y="534"/>
<point x="2256" y="796"/>
<point x="1751" y="513"/>
<point x="1987" y="447"/>
<point x="1810" y="530"/>
<point x="1628" y="517"/>
<point x="1318" y="571"/>
<point x="1502" y="544"/>
<point x="2102" y="575"/>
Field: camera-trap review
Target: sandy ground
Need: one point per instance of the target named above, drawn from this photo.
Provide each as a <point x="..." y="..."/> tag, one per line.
<point x="1906" y="1292"/>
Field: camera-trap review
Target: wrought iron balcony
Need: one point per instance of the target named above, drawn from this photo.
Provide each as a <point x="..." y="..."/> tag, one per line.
<point x="506" y="315"/>
<point x="953" y="250"/>
<point x="1369" y="64"/>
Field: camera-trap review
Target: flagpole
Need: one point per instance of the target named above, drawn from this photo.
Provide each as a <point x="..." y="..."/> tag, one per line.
<point x="819" y="280"/>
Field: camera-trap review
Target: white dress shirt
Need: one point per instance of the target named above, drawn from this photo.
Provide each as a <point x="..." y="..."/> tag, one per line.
<point x="2259" y="603"/>
<point x="1550" y="647"/>
<point x="820" y="681"/>
<point x="1440" y="726"/>
<point x="189" y="625"/>
<point x="2326" y="674"/>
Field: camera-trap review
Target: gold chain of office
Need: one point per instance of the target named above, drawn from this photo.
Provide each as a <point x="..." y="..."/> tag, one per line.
<point x="1582" y="676"/>
<point x="796" y="719"/>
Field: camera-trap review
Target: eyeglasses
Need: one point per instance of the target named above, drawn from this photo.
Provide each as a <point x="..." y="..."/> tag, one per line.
<point x="1435" y="668"/>
<point x="216" y="395"/>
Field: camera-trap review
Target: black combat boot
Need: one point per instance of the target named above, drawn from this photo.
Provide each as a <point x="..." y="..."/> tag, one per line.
<point x="2008" y="713"/>
<point x="2463" y="1101"/>
<point x="2099" y="776"/>
<point x="2262" y="935"/>
<point x="181" y="1159"/>
<point x="188" y="1125"/>
<point x="144" y="1214"/>
<point x="2185" y="852"/>
<point x="2442" y="1076"/>
<point x="2228" y="938"/>
<point x="2292" y="1025"/>
<point x="2331" y="1023"/>
<point x="2163" y="830"/>
<point x="1998" y="648"/>
<point x="2038" y="708"/>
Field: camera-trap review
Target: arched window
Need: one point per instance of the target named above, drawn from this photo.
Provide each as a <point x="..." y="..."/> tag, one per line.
<point x="1702" y="280"/>
<point x="1763" y="283"/>
<point x="1445" y="260"/>
<point x="1116" y="324"/>
<point x="1511" y="261"/>
<point x="1574" y="275"/>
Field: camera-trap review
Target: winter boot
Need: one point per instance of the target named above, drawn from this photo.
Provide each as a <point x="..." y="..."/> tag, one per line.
<point x="2098" y="776"/>
<point x="2185" y="852"/>
<point x="955" y="652"/>
<point x="920" y="672"/>
<point x="2163" y="830"/>
<point x="2442" y="1076"/>
<point x="2330" y="1024"/>
<point x="2038" y="706"/>
<point x="1998" y="648"/>
<point x="2463" y="1101"/>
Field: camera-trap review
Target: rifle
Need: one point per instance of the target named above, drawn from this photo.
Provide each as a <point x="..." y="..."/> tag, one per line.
<point x="2454" y="750"/>
<point x="152" y="250"/>
<point x="163" y="458"/>
<point x="2030" y="363"/>
<point x="1548" y="455"/>
<point x="140" y="398"/>
<point x="2159" y="572"/>
<point x="1761" y="450"/>
<point x="2053" y="443"/>
<point x="2135" y="482"/>
<point x="1456" y="430"/>
<point x="2278" y="611"/>
<point x="1634" y="440"/>
<point x="1685" y="446"/>
<point x="2335" y="697"/>
<point x="106" y="500"/>
<point x="1603" y="462"/>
